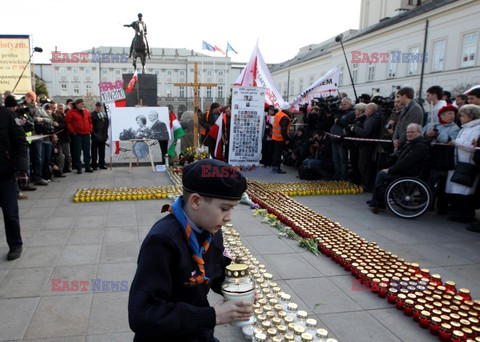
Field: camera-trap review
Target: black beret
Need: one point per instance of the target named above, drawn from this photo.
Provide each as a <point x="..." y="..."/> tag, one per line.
<point x="10" y="101"/>
<point x="214" y="178"/>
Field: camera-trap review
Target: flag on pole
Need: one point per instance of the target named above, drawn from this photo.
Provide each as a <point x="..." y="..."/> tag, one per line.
<point x="177" y="133"/>
<point x="132" y="82"/>
<point x="216" y="133"/>
<point x="218" y="49"/>
<point x="230" y="48"/>
<point x="206" y="46"/>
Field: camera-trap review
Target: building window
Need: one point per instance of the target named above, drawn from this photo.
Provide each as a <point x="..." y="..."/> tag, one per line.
<point x="392" y="67"/>
<point x="355" y="72"/>
<point x="209" y="72"/>
<point x="470" y="42"/>
<point x="169" y="72"/>
<point x="63" y="88"/>
<point x="104" y="71"/>
<point x="300" y="86"/>
<point x="220" y="72"/>
<point x="63" y="71"/>
<point x="219" y="91"/>
<point x="157" y="72"/>
<point x="371" y="72"/>
<point x="88" y="89"/>
<point x="312" y="78"/>
<point x="182" y="92"/>
<point x="340" y="76"/>
<point x="438" y="59"/>
<point x="118" y="72"/>
<point x="181" y="72"/>
<point x="88" y="71"/>
<point x="413" y="64"/>
<point x="209" y="91"/>
<point x="76" y="89"/>
<point x="75" y="71"/>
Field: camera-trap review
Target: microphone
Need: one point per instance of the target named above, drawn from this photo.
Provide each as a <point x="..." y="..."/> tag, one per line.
<point x="37" y="49"/>
<point x="339" y="38"/>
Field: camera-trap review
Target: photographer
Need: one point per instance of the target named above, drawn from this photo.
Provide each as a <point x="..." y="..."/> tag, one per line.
<point x="352" y="146"/>
<point x="345" y="117"/>
<point x="370" y="129"/>
<point x="319" y="162"/>
<point x="296" y="149"/>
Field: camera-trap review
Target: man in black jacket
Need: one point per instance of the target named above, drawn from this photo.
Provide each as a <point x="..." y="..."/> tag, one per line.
<point x="345" y="117"/>
<point x="369" y="129"/>
<point x="13" y="164"/>
<point x="99" y="136"/>
<point x="411" y="160"/>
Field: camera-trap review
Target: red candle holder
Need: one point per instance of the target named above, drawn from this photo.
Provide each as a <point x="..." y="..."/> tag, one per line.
<point x="435" y="324"/>
<point x="445" y="333"/>
<point x="392" y="295"/>
<point x="382" y="289"/>
<point x="416" y="312"/>
<point x="465" y="294"/>
<point x="400" y="302"/>
<point x="408" y="309"/>
<point x="457" y="336"/>
<point x="437" y="279"/>
<point x="424" y="319"/>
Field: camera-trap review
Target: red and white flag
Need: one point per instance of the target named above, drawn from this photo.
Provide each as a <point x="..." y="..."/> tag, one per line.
<point x="132" y="82"/>
<point x="216" y="133"/>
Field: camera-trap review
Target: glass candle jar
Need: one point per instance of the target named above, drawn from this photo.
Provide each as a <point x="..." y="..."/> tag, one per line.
<point x="408" y="307"/>
<point x="416" y="312"/>
<point x="424" y="319"/>
<point x="457" y="336"/>
<point x="445" y="333"/>
<point x="435" y="323"/>
<point x="400" y="301"/>
<point x="465" y="294"/>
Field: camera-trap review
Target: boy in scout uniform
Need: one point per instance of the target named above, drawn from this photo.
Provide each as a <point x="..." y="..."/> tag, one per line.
<point x="182" y="257"/>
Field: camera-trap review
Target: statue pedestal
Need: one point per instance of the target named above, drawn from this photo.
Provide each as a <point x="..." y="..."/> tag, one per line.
<point x="146" y="93"/>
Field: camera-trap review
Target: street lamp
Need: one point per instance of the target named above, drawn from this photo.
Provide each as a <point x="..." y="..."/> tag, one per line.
<point x="339" y="39"/>
<point x="35" y="49"/>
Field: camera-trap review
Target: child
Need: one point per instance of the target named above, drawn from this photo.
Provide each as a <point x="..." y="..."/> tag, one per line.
<point x="182" y="257"/>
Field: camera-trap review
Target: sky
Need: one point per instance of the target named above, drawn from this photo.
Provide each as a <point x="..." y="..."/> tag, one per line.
<point x="280" y="27"/>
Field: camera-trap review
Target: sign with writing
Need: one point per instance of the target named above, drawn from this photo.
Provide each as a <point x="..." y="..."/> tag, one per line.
<point x="14" y="55"/>
<point x="246" y="128"/>
<point x="110" y="92"/>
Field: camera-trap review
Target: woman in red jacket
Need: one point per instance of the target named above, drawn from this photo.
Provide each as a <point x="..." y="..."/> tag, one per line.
<point x="79" y="123"/>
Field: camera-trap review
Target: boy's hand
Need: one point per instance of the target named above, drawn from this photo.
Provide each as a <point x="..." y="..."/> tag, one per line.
<point x="230" y="311"/>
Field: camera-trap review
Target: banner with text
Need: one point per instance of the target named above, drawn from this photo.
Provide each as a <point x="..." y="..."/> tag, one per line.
<point x="246" y="128"/>
<point x="15" y="53"/>
<point x="325" y="86"/>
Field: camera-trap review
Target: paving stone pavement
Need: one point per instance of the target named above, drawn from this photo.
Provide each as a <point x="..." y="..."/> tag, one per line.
<point x="84" y="241"/>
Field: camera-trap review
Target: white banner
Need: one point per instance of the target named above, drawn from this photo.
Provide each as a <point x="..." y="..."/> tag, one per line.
<point x="325" y="86"/>
<point x="246" y="128"/>
<point x="257" y="74"/>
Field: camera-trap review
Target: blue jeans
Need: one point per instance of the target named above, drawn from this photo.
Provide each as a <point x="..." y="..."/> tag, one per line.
<point x="340" y="161"/>
<point x="36" y="150"/>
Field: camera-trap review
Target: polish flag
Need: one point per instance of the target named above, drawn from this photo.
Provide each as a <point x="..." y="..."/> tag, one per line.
<point x="132" y="82"/>
<point x="216" y="133"/>
<point x="218" y="49"/>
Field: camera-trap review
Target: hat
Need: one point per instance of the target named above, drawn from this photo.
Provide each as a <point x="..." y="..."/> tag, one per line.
<point x="447" y="108"/>
<point x="78" y="101"/>
<point x="32" y="95"/>
<point x="285" y="106"/>
<point x="214" y="178"/>
<point x="98" y="104"/>
<point x="10" y="101"/>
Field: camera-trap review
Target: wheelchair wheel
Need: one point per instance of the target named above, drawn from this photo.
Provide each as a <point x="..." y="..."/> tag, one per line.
<point x="408" y="197"/>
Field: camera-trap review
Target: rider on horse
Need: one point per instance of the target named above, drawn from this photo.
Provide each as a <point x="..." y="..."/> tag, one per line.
<point x="140" y="32"/>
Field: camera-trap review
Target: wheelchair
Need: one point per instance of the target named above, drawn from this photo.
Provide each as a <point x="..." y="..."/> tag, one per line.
<point x="411" y="197"/>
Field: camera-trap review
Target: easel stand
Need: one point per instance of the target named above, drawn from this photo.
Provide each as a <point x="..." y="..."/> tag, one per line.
<point x="132" y="156"/>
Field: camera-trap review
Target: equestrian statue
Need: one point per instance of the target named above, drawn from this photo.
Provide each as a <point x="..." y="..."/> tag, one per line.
<point x="139" y="47"/>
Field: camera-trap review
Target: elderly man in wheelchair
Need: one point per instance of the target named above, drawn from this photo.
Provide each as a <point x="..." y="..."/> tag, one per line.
<point x="397" y="186"/>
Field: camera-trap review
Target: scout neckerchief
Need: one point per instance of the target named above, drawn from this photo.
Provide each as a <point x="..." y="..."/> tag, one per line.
<point x="197" y="256"/>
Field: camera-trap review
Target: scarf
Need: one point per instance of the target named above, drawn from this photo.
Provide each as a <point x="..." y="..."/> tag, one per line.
<point x="177" y="210"/>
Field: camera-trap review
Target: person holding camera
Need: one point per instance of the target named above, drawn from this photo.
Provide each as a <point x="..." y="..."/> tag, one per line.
<point x="369" y="128"/>
<point x="319" y="162"/>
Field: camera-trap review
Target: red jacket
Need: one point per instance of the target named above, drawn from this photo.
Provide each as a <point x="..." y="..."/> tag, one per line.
<point x="79" y="123"/>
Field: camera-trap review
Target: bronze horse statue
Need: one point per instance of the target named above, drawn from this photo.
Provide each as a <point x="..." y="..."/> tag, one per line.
<point x="139" y="46"/>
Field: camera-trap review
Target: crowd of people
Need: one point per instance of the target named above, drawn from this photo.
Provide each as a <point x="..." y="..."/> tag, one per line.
<point x="61" y="138"/>
<point x="373" y="141"/>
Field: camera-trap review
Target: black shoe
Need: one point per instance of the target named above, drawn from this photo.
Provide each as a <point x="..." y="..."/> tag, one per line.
<point x="67" y="171"/>
<point x="94" y="168"/>
<point x="14" y="253"/>
<point x="103" y="168"/>
<point x="41" y="181"/>
<point x="375" y="210"/>
<point x="29" y="187"/>
<point x="89" y="170"/>
<point x="79" y="171"/>
<point x="460" y="219"/>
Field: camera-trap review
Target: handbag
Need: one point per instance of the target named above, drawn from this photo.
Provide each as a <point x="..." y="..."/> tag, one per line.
<point x="465" y="173"/>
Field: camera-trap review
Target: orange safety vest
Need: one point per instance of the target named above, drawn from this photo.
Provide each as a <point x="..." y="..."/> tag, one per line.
<point x="225" y="133"/>
<point x="277" y="129"/>
<point x="203" y="131"/>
